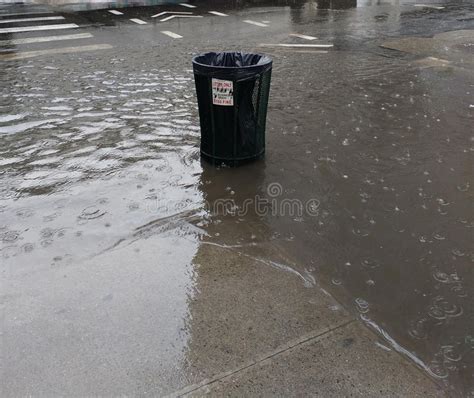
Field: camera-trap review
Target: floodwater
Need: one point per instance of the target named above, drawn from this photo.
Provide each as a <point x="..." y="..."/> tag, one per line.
<point x="374" y="146"/>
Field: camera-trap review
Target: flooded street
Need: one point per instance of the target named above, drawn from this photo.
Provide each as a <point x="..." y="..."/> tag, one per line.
<point x="119" y="244"/>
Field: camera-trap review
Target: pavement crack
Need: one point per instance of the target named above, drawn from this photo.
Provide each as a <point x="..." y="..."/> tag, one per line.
<point x="289" y="346"/>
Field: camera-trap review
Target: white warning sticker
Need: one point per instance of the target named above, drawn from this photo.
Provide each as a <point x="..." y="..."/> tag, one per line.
<point x="222" y="92"/>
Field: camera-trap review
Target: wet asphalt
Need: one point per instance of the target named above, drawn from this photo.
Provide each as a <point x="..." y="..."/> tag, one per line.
<point x="126" y="258"/>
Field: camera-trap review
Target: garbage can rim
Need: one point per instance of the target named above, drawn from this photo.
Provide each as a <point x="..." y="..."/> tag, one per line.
<point x="266" y="62"/>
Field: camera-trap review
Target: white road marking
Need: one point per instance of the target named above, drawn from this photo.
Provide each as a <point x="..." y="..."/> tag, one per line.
<point x="39" y="27"/>
<point x="255" y="23"/>
<point x="265" y="21"/>
<point x="187" y="5"/>
<point x="219" y="14"/>
<point x="303" y="36"/>
<point x="48" y="38"/>
<point x="167" y="18"/>
<point x="30" y="19"/>
<point x="298" y="45"/>
<point x="138" y="21"/>
<point x="429" y="6"/>
<point x="26" y="13"/>
<point x="115" y="12"/>
<point x="179" y="16"/>
<point x="295" y="51"/>
<point x="171" y="12"/>
<point x="62" y="50"/>
<point x="171" y="34"/>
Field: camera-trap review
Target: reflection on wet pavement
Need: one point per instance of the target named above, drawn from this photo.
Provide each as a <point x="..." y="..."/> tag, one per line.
<point x="336" y="4"/>
<point x="101" y="176"/>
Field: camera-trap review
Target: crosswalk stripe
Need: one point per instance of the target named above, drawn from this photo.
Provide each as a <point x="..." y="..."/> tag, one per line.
<point x="39" y="27"/>
<point x="219" y="14"/>
<point x="138" y="21"/>
<point x="171" y="34"/>
<point x="62" y="50"/>
<point x="255" y="23"/>
<point x="429" y="6"/>
<point x="187" y="5"/>
<point x="298" y="45"/>
<point x="17" y="14"/>
<point x="171" y="12"/>
<point x="115" y="12"/>
<point x="306" y="37"/>
<point x="30" y="19"/>
<point x="44" y="39"/>
<point x="295" y="51"/>
<point x="179" y="16"/>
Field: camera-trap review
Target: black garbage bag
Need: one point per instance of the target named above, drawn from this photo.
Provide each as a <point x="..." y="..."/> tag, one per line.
<point x="232" y="90"/>
<point x="237" y="65"/>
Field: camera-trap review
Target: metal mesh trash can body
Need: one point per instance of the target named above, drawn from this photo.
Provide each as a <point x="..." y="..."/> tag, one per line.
<point x="232" y="91"/>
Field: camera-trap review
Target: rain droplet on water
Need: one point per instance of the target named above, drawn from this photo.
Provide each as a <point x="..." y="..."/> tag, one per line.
<point x="362" y="305"/>
<point x="458" y="252"/>
<point x="418" y="329"/>
<point x="463" y="187"/>
<point x="370" y="263"/>
<point x="91" y="213"/>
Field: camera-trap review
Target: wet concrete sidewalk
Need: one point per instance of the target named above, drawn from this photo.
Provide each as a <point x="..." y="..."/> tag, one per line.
<point x="307" y="344"/>
<point x="243" y="329"/>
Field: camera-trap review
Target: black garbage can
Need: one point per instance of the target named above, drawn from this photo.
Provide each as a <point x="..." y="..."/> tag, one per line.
<point x="232" y="91"/>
